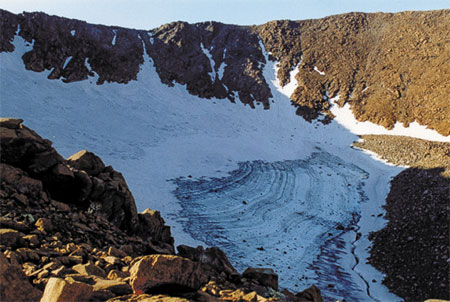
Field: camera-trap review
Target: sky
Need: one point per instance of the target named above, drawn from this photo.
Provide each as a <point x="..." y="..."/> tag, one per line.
<point x="148" y="14"/>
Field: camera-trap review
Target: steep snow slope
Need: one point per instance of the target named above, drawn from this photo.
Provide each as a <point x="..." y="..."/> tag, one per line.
<point x="197" y="160"/>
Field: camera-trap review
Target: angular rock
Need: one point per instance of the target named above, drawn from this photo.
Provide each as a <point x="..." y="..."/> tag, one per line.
<point x="68" y="290"/>
<point x="151" y="224"/>
<point x="9" y="237"/>
<point x="11" y="123"/>
<point x="117" y="287"/>
<point x="87" y="161"/>
<point x="165" y="270"/>
<point x="265" y="276"/>
<point x="19" y="180"/>
<point x="89" y="269"/>
<point x="311" y="294"/>
<point x="212" y="258"/>
<point x="14" y="285"/>
<point x="44" y="225"/>
<point x="115" y="252"/>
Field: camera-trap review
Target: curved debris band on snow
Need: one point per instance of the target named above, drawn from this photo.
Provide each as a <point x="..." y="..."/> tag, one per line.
<point x="282" y="210"/>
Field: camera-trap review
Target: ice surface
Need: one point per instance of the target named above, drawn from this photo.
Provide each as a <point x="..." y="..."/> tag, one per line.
<point x="298" y="179"/>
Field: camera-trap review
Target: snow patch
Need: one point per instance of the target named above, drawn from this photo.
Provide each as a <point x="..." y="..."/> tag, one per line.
<point x="212" y="74"/>
<point x="345" y="117"/>
<point x="222" y="65"/>
<point x="320" y="72"/>
<point x="152" y="40"/>
<point x="290" y="87"/>
<point x="73" y="32"/>
<point x="67" y="62"/>
<point x="113" y="42"/>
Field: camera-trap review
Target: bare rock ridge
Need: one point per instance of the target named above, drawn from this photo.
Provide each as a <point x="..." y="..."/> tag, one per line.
<point x="389" y="67"/>
<point x="69" y="231"/>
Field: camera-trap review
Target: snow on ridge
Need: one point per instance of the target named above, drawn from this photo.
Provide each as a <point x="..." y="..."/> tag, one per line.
<point x="345" y="117"/>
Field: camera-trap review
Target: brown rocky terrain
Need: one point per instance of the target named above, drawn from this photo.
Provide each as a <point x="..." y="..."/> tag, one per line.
<point x="413" y="249"/>
<point x="70" y="232"/>
<point x="389" y="67"/>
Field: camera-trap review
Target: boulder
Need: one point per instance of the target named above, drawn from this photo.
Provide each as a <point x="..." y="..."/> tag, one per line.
<point x="264" y="276"/>
<point x="87" y="161"/>
<point x="212" y="258"/>
<point x="44" y="225"/>
<point x="89" y="269"/>
<point x="18" y="180"/>
<point x="151" y="224"/>
<point x="11" y="123"/>
<point x="9" y="237"/>
<point x="167" y="271"/>
<point x="117" y="287"/>
<point x="66" y="290"/>
<point x="310" y="294"/>
<point x="14" y="285"/>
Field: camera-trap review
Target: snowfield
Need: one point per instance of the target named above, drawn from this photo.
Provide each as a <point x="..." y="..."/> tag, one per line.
<point x="267" y="187"/>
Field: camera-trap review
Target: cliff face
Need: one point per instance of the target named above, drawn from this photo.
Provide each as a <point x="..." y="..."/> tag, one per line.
<point x="389" y="67"/>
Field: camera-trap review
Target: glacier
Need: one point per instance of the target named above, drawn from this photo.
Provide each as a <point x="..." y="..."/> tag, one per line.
<point x="269" y="188"/>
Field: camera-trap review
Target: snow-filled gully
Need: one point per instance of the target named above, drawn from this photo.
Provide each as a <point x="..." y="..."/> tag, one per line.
<point x="264" y="185"/>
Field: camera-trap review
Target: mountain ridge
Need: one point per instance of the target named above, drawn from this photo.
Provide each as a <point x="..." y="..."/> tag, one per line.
<point x="373" y="61"/>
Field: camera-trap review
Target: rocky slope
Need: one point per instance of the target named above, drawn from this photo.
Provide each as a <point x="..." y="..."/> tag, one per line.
<point x="389" y="67"/>
<point x="413" y="250"/>
<point x="70" y="232"/>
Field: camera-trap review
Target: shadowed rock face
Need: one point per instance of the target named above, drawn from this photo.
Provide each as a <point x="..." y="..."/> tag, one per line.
<point x="390" y="67"/>
<point x="414" y="255"/>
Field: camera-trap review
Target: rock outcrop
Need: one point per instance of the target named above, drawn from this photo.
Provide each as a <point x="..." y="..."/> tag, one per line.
<point x="389" y="67"/>
<point x="81" y="243"/>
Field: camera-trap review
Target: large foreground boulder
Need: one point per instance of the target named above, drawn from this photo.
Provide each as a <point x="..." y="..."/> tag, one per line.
<point x="171" y="272"/>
